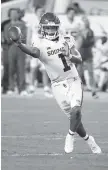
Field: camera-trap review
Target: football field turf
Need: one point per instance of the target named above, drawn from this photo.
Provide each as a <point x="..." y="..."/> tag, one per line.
<point x="34" y="130"/>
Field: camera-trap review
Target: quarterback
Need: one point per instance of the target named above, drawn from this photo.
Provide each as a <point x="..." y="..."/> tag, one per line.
<point x="59" y="57"/>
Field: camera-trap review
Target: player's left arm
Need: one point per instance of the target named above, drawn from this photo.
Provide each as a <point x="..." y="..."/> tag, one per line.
<point x="75" y="56"/>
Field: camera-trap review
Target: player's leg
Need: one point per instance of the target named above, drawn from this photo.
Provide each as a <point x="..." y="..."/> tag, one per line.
<point x="80" y="130"/>
<point x="75" y="98"/>
<point x="75" y="121"/>
<point x="75" y="118"/>
<point x="63" y="94"/>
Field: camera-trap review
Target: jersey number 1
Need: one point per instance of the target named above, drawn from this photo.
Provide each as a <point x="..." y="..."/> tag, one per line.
<point x="66" y="67"/>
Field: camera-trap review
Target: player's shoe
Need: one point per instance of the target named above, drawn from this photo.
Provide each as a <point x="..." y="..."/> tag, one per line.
<point x="69" y="143"/>
<point x="93" y="146"/>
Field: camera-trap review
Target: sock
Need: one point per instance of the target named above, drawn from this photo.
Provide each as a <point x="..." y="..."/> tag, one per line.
<point x="86" y="137"/>
<point x="75" y="118"/>
<point x="81" y="131"/>
<point x="71" y="133"/>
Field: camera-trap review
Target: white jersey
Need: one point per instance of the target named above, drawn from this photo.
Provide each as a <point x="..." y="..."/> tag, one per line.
<point x="57" y="66"/>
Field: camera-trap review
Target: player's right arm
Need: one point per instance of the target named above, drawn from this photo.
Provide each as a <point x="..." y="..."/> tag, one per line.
<point x="15" y="35"/>
<point x="33" y="51"/>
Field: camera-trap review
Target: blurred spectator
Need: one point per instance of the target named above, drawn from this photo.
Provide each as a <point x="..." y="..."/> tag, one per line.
<point x="5" y="47"/>
<point x="78" y="9"/>
<point x="35" y="64"/>
<point x="87" y="57"/>
<point x="101" y="63"/>
<point x="71" y="25"/>
<point x="29" y="19"/>
<point x="68" y="22"/>
<point x="16" y="58"/>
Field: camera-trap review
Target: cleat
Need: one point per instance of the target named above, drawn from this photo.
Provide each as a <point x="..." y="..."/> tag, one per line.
<point x="69" y="143"/>
<point x="93" y="146"/>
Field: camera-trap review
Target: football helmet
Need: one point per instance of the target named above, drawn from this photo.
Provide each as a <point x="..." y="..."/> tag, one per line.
<point x="49" y="26"/>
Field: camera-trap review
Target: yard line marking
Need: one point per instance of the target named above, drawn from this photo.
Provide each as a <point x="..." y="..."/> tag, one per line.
<point x="28" y="97"/>
<point x="60" y="137"/>
<point x="37" y="154"/>
<point x="47" y="154"/>
<point x="18" y="111"/>
<point x="53" y="122"/>
<point x="36" y="137"/>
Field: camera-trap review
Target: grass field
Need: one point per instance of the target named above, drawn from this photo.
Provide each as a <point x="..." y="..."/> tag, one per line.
<point x="34" y="130"/>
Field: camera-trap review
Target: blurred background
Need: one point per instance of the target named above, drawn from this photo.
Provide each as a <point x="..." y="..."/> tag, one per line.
<point x="86" y="20"/>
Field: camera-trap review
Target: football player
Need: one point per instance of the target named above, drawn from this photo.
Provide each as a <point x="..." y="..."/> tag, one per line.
<point x="59" y="57"/>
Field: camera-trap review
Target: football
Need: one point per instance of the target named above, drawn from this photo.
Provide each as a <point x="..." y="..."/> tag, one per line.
<point x="14" y="33"/>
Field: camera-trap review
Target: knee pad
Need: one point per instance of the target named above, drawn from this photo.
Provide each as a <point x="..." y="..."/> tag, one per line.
<point x="75" y="113"/>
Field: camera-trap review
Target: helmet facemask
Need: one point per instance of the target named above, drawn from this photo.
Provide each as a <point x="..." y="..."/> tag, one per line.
<point x="49" y="26"/>
<point x="49" y="31"/>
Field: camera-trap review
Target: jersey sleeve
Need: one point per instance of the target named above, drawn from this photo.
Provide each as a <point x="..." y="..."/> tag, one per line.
<point x="36" y="42"/>
<point x="36" y="45"/>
